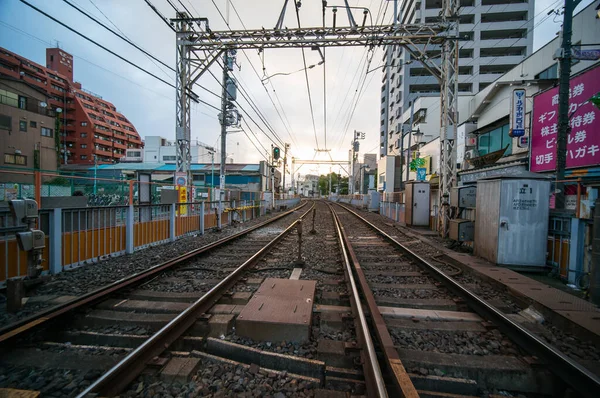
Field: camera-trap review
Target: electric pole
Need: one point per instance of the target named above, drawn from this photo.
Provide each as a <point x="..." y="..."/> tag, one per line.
<point x="228" y="117"/>
<point x="564" y="127"/>
<point x="285" y="151"/>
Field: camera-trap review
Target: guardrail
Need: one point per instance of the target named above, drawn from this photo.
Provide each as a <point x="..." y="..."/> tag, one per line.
<point x="80" y="236"/>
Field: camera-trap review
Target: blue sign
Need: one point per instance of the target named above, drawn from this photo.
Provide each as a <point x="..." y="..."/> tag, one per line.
<point x="518" y="113"/>
<point x="421" y="173"/>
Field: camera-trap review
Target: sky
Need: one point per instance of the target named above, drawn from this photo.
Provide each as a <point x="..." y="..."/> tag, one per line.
<point x="150" y="104"/>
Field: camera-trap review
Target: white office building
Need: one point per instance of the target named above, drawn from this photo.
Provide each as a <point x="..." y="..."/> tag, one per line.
<point x="160" y="150"/>
<point x="497" y="35"/>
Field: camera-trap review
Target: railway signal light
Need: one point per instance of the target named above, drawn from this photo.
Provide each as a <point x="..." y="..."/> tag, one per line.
<point x="276" y="153"/>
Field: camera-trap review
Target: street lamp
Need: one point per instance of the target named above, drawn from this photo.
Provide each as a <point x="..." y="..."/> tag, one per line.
<point x="418" y="136"/>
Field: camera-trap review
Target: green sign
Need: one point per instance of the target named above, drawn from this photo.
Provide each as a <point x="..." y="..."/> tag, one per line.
<point x="416" y="163"/>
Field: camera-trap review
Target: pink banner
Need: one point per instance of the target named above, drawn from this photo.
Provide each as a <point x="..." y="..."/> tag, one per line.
<point x="583" y="145"/>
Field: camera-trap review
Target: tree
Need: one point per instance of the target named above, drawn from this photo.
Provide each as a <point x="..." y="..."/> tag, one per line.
<point x="324" y="183"/>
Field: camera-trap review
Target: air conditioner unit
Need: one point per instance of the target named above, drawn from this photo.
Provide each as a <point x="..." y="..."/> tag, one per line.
<point x="397" y="143"/>
<point x="472" y="154"/>
<point x="471" y="141"/>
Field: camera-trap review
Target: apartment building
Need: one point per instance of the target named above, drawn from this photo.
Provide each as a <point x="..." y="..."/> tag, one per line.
<point x="91" y="128"/>
<point x="27" y="131"/>
<point x="495" y="35"/>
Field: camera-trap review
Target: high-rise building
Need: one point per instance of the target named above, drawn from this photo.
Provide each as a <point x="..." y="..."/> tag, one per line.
<point x="91" y="128"/>
<point x="495" y="35"/>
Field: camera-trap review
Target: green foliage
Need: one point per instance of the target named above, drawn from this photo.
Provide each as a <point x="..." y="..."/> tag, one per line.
<point x="596" y="100"/>
<point x="62" y="181"/>
<point x="324" y="183"/>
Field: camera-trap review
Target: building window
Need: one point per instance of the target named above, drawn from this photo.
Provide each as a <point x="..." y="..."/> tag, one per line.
<point x="33" y="124"/>
<point x="549" y="73"/>
<point x="5" y="122"/>
<point x="83" y="157"/>
<point x="22" y="102"/>
<point x="83" y="135"/>
<point x="83" y="124"/>
<point x="13" y="158"/>
<point x="22" y="125"/>
<point x="46" y="132"/>
<point x="83" y="146"/>
<point x="495" y="140"/>
<point x="169" y="158"/>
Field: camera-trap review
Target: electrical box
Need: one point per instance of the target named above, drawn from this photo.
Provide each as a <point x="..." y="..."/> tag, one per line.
<point x="465" y="196"/>
<point x="512" y="220"/>
<point x="417" y="204"/>
<point x="31" y="240"/>
<point x="462" y="230"/>
<point x="24" y="209"/>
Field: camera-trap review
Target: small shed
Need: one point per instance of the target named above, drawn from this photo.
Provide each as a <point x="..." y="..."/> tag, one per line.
<point x="511" y="228"/>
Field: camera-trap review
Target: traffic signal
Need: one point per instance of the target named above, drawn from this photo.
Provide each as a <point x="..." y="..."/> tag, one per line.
<point x="276" y="153"/>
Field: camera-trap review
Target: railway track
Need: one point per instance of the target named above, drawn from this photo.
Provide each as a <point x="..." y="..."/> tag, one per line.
<point x="87" y="335"/>
<point x="385" y="318"/>
<point x="450" y="340"/>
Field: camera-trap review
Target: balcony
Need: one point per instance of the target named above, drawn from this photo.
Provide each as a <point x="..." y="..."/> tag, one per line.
<point x="101" y="152"/>
<point x="31" y="105"/>
<point x="120" y="146"/>
<point x="134" y="140"/>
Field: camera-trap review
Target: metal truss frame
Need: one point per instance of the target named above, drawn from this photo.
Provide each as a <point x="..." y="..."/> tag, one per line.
<point x="197" y="50"/>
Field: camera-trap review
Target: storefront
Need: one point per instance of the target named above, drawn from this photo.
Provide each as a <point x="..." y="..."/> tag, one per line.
<point x="570" y="233"/>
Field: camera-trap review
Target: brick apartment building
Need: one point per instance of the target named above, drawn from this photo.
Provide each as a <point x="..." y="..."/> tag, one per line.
<point x="89" y="125"/>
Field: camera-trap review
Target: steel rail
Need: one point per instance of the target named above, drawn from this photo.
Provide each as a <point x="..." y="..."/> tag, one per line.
<point x="400" y="376"/>
<point x="17" y="329"/>
<point x="119" y="376"/>
<point x="575" y="375"/>
<point x="373" y="376"/>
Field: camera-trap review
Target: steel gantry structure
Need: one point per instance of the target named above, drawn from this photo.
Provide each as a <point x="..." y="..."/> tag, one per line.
<point x="198" y="49"/>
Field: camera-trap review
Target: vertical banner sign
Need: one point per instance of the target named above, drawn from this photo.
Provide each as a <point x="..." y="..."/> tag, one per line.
<point x="583" y="144"/>
<point x="517" y="113"/>
<point x="181" y="186"/>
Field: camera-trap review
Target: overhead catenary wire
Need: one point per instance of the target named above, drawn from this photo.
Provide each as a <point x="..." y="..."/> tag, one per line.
<point x="288" y="129"/>
<point x="312" y="114"/>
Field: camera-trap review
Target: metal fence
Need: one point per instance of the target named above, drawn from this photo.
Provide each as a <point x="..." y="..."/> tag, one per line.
<point x="559" y="244"/>
<point x="79" y="236"/>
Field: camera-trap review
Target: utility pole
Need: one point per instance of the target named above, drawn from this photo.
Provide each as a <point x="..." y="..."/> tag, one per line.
<point x="564" y="127"/>
<point x="228" y="95"/>
<point x="388" y="62"/>
<point x="285" y="151"/>
<point x="411" y="120"/>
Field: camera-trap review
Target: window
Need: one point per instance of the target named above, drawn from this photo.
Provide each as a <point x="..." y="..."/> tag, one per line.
<point x="33" y="124"/>
<point x="22" y="125"/>
<point x="8" y="98"/>
<point x="22" y="102"/>
<point x="83" y="135"/>
<point x="83" y="146"/>
<point x="495" y="140"/>
<point x="13" y="158"/>
<point x="549" y="73"/>
<point x="46" y="132"/>
<point x="5" y="122"/>
<point x="83" y="124"/>
<point x="83" y="157"/>
<point x="169" y="158"/>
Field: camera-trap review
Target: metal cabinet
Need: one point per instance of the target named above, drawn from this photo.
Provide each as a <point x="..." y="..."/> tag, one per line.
<point x="417" y="204"/>
<point x="512" y="220"/>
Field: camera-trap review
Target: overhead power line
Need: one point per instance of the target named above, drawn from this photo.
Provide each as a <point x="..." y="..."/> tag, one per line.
<point x="112" y="52"/>
<point x="120" y="36"/>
